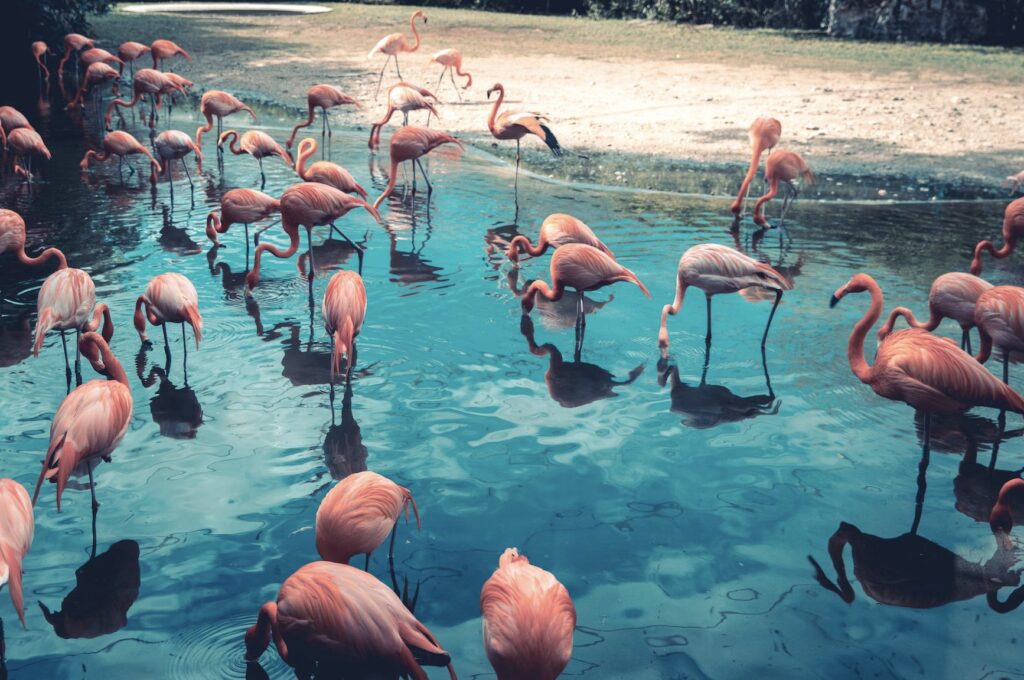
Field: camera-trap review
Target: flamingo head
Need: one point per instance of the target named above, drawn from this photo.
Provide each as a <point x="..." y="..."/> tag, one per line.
<point x="498" y="87"/>
<point x="419" y="14"/>
<point x="858" y="284"/>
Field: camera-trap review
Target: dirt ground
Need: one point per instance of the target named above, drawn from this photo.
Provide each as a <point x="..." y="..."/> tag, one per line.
<point x="632" y="96"/>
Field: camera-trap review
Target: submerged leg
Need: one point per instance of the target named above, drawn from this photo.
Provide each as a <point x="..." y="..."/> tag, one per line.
<point x="707" y="336"/>
<point x="167" y="346"/>
<point x="95" y="507"/>
<point x="451" y="72"/>
<point x="78" y="358"/>
<point x="67" y="363"/>
<point x="419" y="164"/>
<point x="778" y="297"/>
<point x="185" y="168"/>
<point x="1006" y="366"/>
<point x="922" y="468"/>
<point x="184" y="350"/>
<point x="309" y="239"/>
<point x="263" y="176"/>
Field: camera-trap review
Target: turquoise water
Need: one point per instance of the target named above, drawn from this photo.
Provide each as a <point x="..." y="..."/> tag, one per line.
<point x="678" y="515"/>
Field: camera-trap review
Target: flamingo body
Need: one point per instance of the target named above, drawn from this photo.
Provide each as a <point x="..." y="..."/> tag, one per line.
<point x="557" y="230"/>
<point x="410" y="143"/>
<point x="39" y="50"/>
<point x="1013" y="229"/>
<point x="764" y="135"/>
<point x="406" y="98"/>
<point x="344" y="309"/>
<point x="322" y="97"/>
<point x="452" y="59"/>
<point x="165" y="49"/>
<point x="579" y="266"/>
<point x="781" y="166"/>
<point x="217" y="104"/>
<point x="999" y="315"/>
<point x="121" y="144"/>
<point x="169" y="298"/>
<point x="12" y="239"/>
<point x="358" y="513"/>
<point x="325" y="172"/>
<point x="17" y="527"/>
<point x="240" y="206"/>
<point x="65" y="302"/>
<point x="953" y="295"/>
<point x="517" y="124"/>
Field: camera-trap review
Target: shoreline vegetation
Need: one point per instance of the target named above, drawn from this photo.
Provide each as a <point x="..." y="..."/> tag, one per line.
<point x="649" y="105"/>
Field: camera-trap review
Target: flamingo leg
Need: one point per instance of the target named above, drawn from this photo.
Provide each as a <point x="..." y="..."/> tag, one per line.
<point x="309" y="237"/>
<point x="581" y="326"/>
<point x="419" y="164"/>
<point x="327" y="122"/>
<point x="398" y="69"/>
<point x="965" y="339"/>
<point x="381" y="79"/>
<point x="67" y="363"/>
<point x="247" y="246"/>
<point x="1006" y="366"/>
<point x="391" y="546"/>
<point x="263" y="177"/>
<point x="185" y="168"/>
<point x="170" y="184"/>
<point x="517" y="168"/>
<point x="441" y="77"/>
<point x="367" y="566"/>
<point x="167" y="347"/>
<point x="451" y="74"/>
<point x="358" y="248"/>
<point x="78" y="358"/>
<point x="707" y="336"/>
<point x="95" y="506"/>
<point x="764" y="338"/>
<point x="922" y="468"/>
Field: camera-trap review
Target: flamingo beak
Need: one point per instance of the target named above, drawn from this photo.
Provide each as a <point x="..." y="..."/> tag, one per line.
<point x="834" y="301"/>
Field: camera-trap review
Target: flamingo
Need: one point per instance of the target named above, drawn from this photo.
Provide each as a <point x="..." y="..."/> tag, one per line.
<point x="119" y="143"/>
<point x="173" y="145"/>
<point x="161" y="50"/>
<point x="146" y="82"/>
<point x="169" y="298"/>
<point x="1015" y="182"/>
<point x="325" y="172"/>
<point x="516" y="125"/>
<point x="1001" y="519"/>
<point x="182" y="83"/>
<point x="73" y="44"/>
<point x="344" y="620"/>
<point x="10" y="120"/>
<point x="39" y="52"/>
<point x="24" y="142"/>
<point x="12" y="240"/>
<point x="257" y="144"/>
<point x="781" y="166"/>
<point x="999" y="315"/>
<point x="1013" y="228"/>
<point x="129" y="52"/>
<point x="97" y="55"/>
<point x="764" y="135"/>
<point x="557" y="230"/>
<point x="409" y="144"/>
<point x="322" y="97"/>
<point x="66" y="301"/>
<point x="358" y="513"/>
<point x="719" y="269"/>
<point x="90" y="422"/>
<point x="96" y="74"/>
<point x="240" y="206"/>
<point x="529" y="620"/>
<point x="16" y="529"/>
<point x="451" y="60"/>
<point x="217" y="104"/>
<point x="394" y="44"/>
<point x="405" y="98"/>
<point x="309" y="204"/>
<point x="952" y="295"/>
<point x="344" y="309"/>
<point x="585" y="268"/>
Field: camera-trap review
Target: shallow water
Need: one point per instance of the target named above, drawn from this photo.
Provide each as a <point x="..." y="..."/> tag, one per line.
<point x="679" y="515"/>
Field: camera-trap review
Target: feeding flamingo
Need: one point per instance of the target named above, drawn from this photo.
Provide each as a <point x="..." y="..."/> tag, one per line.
<point x="66" y="301"/>
<point x="410" y="144"/>
<point x="73" y="44"/>
<point x="217" y="104"/>
<point x="97" y="55"/>
<point x="781" y="166"/>
<point x="243" y="206"/>
<point x="999" y="314"/>
<point x="557" y="230"/>
<point x="451" y="60"/>
<point x="1001" y="519"/>
<point x="180" y="83"/>
<point x="257" y="144"/>
<point x="405" y="98"/>
<point x="90" y="422"/>
<point x="10" y="120"/>
<point x="358" y="513"/>
<point x="344" y="309"/>
<point x="1013" y="228"/>
<point x="129" y="52"/>
<point x="322" y="97"/>
<point x="174" y="145"/>
<point x="309" y="204"/>
<point x="953" y="295"/>
<point x="17" y="527"/>
<point x="764" y="135"/>
<point x="24" y="143"/>
<point x="169" y="298"/>
<point x="325" y="172"/>
<point x="529" y="620"/>
<point x="516" y="125"/>
<point x="717" y="269"/>
<point x="1015" y="182"/>
<point x="119" y="143"/>
<point x="343" y="620"/>
<point x="147" y="82"/>
<point x="39" y="52"/>
<point x="12" y="240"/>
<point x="96" y="74"/>
<point x="162" y="50"/>
<point x="394" y="44"/>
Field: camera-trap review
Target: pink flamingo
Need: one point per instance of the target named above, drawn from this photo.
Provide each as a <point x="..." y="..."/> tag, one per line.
<point x="529" y="620"/>
<point x="243" y="206"/>
<point x="516" y="125"/>
<point x="719" y="269"/>
<point x="66" y="301"/>
<point x="97" y="73"/>
<point x="451" y="60"/>
<point x="147" y="82"/>
<point x="1013" y="228"/>
<point x="217" y="104"/>
<point x="348" y="621"/>
<point x="953" y="295"/>
<point x="119" y="143"/>
<point x="557" y="230"/>
<point x="90" y="422"/>
<point x="179" y="83"/>
<point x="24" y="143"/>
<point x="73" y="44"/>
<point x="358" y="513"/>
<point x="10" y="120"/>
<point x="781" y="166"/>
<point x="16" y="529"/>
<point x="322" y="97"/>
<point x="999" y="315"/>
<point x="39" y="52"/>
<point x="309" y="204"/>
<point x="394" y="44"/>
<point x="257" y="144"/>
<point x="97" y="55"/>
<point x="410" y="144"/>
<point x="344" y="309"/>
<point x="764" y="135"/>
<point x="130" y="52"/>
<point x="1001" y="519"/>
<point x="12" y="240"/>
<point x="1015" y="182"/>
<point x="161" y="50"/>
<point x="325" y="172"/>
<point x="405" y="98"/>
<point x="169" y="298"/>
<point x="174" y="145"/>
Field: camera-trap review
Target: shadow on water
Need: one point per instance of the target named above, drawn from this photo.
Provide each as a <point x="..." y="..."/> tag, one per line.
<point x="176" y="410"/>
<point x="344" y="451"/>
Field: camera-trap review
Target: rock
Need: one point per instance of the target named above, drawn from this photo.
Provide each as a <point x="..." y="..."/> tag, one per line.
<point x="958" y="21"/>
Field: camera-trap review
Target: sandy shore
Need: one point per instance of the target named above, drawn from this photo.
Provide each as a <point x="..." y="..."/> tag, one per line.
<point x="633" y="115"/>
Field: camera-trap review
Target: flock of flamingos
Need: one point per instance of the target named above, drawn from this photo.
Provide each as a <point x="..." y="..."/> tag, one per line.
<point x="330" y="615"/>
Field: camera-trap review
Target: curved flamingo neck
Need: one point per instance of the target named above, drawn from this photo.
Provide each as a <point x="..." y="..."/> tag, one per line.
<point x="115" y="371"/>
<point x="522" y="242"/>
<point x="233" y="143"/>
<point x="415" y="33"/>
<point x="302" y="124"/>
<point x="494" y="109"/>
<point x="755" y="160"/>
<point x="62" y="262"/>
<point x="930" y="325"/>
<point x="306" y="149"/>
<point x="536" y="288"/>
<point x="390" y="187"/>
<point x="1008" y="243"/>
<point x="855" y="346"/>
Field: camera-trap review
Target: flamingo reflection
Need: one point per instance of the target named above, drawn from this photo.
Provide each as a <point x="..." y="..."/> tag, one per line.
<point x="344" y="451"/>
<point x="176" y="410"/>
<point x="559" y="314"/>
<point x="410" y="267"/>
<point x="233" y="284"/>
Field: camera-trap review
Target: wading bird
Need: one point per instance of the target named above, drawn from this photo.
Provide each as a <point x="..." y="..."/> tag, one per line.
<point x="119" y="143"/>
<point x="344" y="309"/>
<point x="556" y="230"/>
<point x="1001" y="519"/>
<point x="39" y="52"/>
<point x="782" y="166"/>
<point x="66" y="301"/>
<point x="129" y="52"/>
<point x="999" y="314"/>
<point x="717" y="269"/>
<point x="341" y="621"/>
<point x="764" y="135"/>
<point x="147" y="82"/>
<point x="24" y="143"/>
<point x="12" y="240"/>
<point x="97" y="55"/>
<point x="954" y="296"/>
<point x="180" y="83"/>
<point x="451" y="60"/>
<point x="394" y="44"/>
<point x="73" y="44"/>
<point x="240" y="206"/>
<point x="325" y="172"/>
<point x="16" y="529"/>
<point x="323" y="97"/>
<point x="257" y="144"/>
<point x="410" y="144"/>
<point x="1013" y="228"/>
<point x="169" y="298"/>
<point x="10" y="120"/>
<point x="405" y="98"/>
<point x="217" y="104"/>
<point x="96" y="74"/>
<point x="162" y="50"/>
<point x="516" y="125"/>
<point x="529" y="620"/>
<point x="172" y="145"/>
<point x="90" y="422"/>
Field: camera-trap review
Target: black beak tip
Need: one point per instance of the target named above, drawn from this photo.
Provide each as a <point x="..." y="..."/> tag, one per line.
<point x="833" y="302"/>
